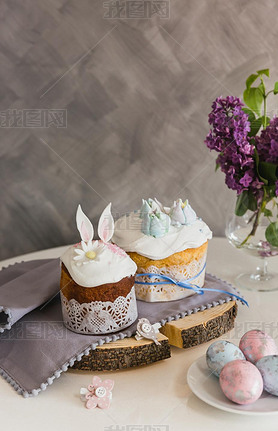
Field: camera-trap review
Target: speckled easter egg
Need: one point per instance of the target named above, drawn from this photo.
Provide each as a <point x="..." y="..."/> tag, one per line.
<point x="256" y="344"/>
<point x="241" y="382"/>
<point x="268" y="367"/>
<point x="220" y="353"/>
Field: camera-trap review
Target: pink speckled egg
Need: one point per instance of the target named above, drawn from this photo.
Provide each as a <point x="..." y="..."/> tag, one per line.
<point x="241" y="382"/>
<point x="256" y="344"/>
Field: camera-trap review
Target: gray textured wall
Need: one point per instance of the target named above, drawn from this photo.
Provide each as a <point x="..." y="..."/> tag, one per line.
<point x="137" y="94"/>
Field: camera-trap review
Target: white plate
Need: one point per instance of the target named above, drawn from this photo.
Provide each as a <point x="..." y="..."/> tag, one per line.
<point x="206" y="387"/>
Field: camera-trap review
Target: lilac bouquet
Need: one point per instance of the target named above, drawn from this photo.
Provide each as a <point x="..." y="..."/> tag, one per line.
<point x="247" y="142"/>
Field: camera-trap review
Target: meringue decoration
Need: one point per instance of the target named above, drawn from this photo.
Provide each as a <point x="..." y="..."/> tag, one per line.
<point x="154" y="222"/>
<point x="182" y="213"/>
<point x="145" y="208"/>
<point x="156" y="218"/>
<point x="157" y="232"/>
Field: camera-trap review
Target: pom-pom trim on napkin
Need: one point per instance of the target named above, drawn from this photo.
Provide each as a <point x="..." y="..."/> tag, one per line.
<point x="6" y="310"/>
<point x="108" y="339"/>
<point x="7" y="325"/>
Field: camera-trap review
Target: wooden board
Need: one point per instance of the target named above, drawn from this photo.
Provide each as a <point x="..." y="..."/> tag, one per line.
<point x="190" y="331"/>
<point x="125" y="353"/>
<point x="201" y="327"/>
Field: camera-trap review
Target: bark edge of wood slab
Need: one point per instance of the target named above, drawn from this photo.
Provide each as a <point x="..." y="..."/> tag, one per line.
<point x="123" y="354"/>
<point x="201" y="327"/>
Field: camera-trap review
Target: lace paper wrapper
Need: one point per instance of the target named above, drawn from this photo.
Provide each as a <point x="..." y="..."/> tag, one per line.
<point x="99" y="317"/>
<point x="170" y="292"/>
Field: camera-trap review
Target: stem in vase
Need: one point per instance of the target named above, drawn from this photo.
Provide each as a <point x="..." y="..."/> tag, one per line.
<point x="255" y="225"/>
<point x="253" y="231"/>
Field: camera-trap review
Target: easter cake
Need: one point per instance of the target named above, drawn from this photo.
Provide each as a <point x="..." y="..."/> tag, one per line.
<point x="165" y="241"/>
<point x="97" y="280"/>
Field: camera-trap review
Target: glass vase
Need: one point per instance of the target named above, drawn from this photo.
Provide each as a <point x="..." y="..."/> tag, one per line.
<point x="237" y="230"/>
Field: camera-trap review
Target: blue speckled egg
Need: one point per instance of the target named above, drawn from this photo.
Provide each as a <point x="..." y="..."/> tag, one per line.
<point x="220" y="353"/>
<point x="268" y="367"/>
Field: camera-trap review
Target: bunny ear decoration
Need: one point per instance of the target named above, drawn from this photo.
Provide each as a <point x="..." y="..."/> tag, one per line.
<point x="84" y="225"/>
<point x="106" y="225"/>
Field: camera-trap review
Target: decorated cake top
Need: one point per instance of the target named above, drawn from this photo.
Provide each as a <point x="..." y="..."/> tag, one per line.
<point x="157" y="232"/>
<point x="92" y="263"/>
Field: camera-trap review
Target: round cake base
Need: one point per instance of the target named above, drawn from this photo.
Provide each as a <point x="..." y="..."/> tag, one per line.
<point x="190" y="331"/>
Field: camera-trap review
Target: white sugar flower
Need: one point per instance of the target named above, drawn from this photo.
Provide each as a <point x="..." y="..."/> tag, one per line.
<point x="88" y="252"/>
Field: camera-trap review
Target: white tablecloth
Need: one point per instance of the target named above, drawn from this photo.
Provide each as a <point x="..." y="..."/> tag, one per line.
<point x="149" y="395"/>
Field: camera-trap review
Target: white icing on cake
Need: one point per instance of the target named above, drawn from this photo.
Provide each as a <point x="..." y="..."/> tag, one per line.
<point x="128" y="236"/>
<point x="110" y="264"/>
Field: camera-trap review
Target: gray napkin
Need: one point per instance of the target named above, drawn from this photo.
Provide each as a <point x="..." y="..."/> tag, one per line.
<point x="38" y="347"/>
<point x="25" y="286"/>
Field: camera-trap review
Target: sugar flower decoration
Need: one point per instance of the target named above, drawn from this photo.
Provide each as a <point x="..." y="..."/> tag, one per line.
<point x="88" y="252"/>
<point x="98" y="394"/>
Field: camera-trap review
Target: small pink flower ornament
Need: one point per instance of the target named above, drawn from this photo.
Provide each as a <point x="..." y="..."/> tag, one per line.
<point x="98" y="394"/>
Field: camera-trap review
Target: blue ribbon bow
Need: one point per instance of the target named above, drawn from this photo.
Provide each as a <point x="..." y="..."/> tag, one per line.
<point x="186" y="284"/>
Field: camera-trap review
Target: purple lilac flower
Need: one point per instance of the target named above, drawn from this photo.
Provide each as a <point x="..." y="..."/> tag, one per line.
<point x="267" y="145"/>
<point x="229" y="137"/>
<point x="267" y="250"/>
<point x="246" y="180"/>
<point x="267" y="142"/>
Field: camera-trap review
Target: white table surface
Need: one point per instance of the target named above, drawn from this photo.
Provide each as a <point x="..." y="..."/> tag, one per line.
<point x="149" y="395"/>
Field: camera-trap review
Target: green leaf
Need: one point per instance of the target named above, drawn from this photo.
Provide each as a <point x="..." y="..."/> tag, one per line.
<point x="257" y="160"/>
<point x="261" y="86"/>
<point x="245" y="201"/>
<point x="271" y="191"/>
<point x="251" y="115"/>
<point x="217" y="166"/>
<point x="268" y="171"/>
<point x="255" y="123"/>
<point x="255" y="126"/>
<point x="263" y="72"/>
<point x="267" y="120"/>
<point x="252" y="203"/>
<point x="271" y="234"/>
<point x="268" y="213"/>
<point x="253" y="98"/>
<point x="275" y="91"/>
<point x="241" y="204"/>
<point x="252" y="78"/>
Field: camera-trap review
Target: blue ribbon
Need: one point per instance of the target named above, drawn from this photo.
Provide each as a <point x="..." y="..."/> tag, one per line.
<point x="186" y="284"/>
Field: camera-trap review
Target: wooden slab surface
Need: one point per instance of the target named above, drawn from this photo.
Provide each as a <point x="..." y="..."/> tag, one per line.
<point x="190" y="331"/>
